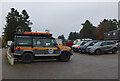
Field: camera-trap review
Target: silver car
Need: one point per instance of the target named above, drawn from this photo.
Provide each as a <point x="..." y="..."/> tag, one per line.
<point x="103" y="47"/>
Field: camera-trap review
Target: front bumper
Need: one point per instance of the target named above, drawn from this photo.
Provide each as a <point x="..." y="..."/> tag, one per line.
<point x="90" y="51"/>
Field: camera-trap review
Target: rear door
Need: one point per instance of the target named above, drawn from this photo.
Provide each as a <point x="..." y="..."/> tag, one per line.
<point x="22" y="43"/>
<point x="104" y="46"/>
<point x="110" y="45"/>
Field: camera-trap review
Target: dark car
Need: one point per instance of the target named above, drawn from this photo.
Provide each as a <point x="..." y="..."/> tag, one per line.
<point x="83" y="48"/>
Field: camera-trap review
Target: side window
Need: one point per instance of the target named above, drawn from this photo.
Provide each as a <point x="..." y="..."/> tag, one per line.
<point x="83" y="43"/>
<point x="104" y="43"/>
<point x="111" y="43"/>
<point x="49" y="42"/>
<point x="24" y="41"/>
<point x="92" y="43"/>
<point x="38" y="42"/>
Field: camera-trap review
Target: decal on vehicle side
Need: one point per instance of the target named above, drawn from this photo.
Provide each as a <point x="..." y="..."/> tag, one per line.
<point x="50" y="50"/>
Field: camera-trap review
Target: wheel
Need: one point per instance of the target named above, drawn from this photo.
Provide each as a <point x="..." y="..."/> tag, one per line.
<point x="27" y="58"/>
<point x="98" y="52"/>
<point x="74" y="50"/>
<point x="114" y="50"/>
<point x="64" y="57"/>
<point x="84" y="52"/>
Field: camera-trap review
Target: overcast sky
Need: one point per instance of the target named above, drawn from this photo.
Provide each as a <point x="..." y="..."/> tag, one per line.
<point x="62" y="18"/>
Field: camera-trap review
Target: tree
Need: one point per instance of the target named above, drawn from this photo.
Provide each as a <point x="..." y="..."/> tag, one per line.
<point x="117" y="22"/>
<point x="73" y="36"/>
<point x="61" y="37"/>
<point x="13" y="20"/>
<point x="70" y="36"/>
<point x="105" y="26"/>
<point x="88" y="30"/>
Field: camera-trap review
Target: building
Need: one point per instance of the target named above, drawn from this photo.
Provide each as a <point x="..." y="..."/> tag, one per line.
<point x="112" y="35"/>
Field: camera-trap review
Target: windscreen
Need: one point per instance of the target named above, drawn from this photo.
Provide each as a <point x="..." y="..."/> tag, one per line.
<point x="98" y="44"/>
<point x="87" y="44"/>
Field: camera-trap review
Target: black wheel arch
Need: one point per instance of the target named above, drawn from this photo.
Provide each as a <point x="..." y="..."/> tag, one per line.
<point x="115" y="48"/>
<point x="98" y="49"/>
<point x="67" y="52"/>
<point x="28" y="52"/>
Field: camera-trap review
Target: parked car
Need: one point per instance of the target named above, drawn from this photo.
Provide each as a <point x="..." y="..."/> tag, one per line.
<point x="33" y="45"/>
<point x="103" y="47"/>
<point x="75" y="47"/>
<point x="83" y="47"/>
<point x="68" y="43"/>
<point x="78" y="40"/>
<point x="117" y="43"/>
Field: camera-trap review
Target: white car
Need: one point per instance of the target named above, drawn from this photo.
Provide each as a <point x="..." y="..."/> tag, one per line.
<point x="76" y="47"/>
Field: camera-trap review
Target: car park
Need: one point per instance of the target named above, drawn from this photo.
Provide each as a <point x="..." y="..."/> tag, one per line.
<point x="103" y="47"/>
<point x="75" y="47"/>
<point x="36" y="45"/>
<point x="84" y="47"/>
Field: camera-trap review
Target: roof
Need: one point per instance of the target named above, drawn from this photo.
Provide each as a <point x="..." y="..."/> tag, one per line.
<point x="38" y="34"/>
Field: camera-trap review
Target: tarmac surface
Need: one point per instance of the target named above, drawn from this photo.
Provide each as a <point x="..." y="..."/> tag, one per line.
<point x="81" y="66"/>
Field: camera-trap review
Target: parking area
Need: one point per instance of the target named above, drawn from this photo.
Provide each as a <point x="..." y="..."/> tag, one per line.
<point x="81" y="66"/>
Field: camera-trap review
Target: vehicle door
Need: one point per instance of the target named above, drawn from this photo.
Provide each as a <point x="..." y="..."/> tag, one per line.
<point x="110" y="45"/>
<point x="104" y="46"/>
<point x="51" y="47"/>
<point x="38" y="46"/>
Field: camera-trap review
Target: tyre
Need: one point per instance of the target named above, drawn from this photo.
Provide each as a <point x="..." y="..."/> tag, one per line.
<point x="64" y="57"/>
<point x="83" y="52"/>
<point x="98" y="52"/>
<point x="114" y="50"/>
<point x="27" y="58"/>
<point x="74" y="50"/>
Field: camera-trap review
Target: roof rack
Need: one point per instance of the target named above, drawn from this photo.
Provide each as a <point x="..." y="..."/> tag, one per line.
<point x="42" y="34"/>
<point x="37" y="33"/>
